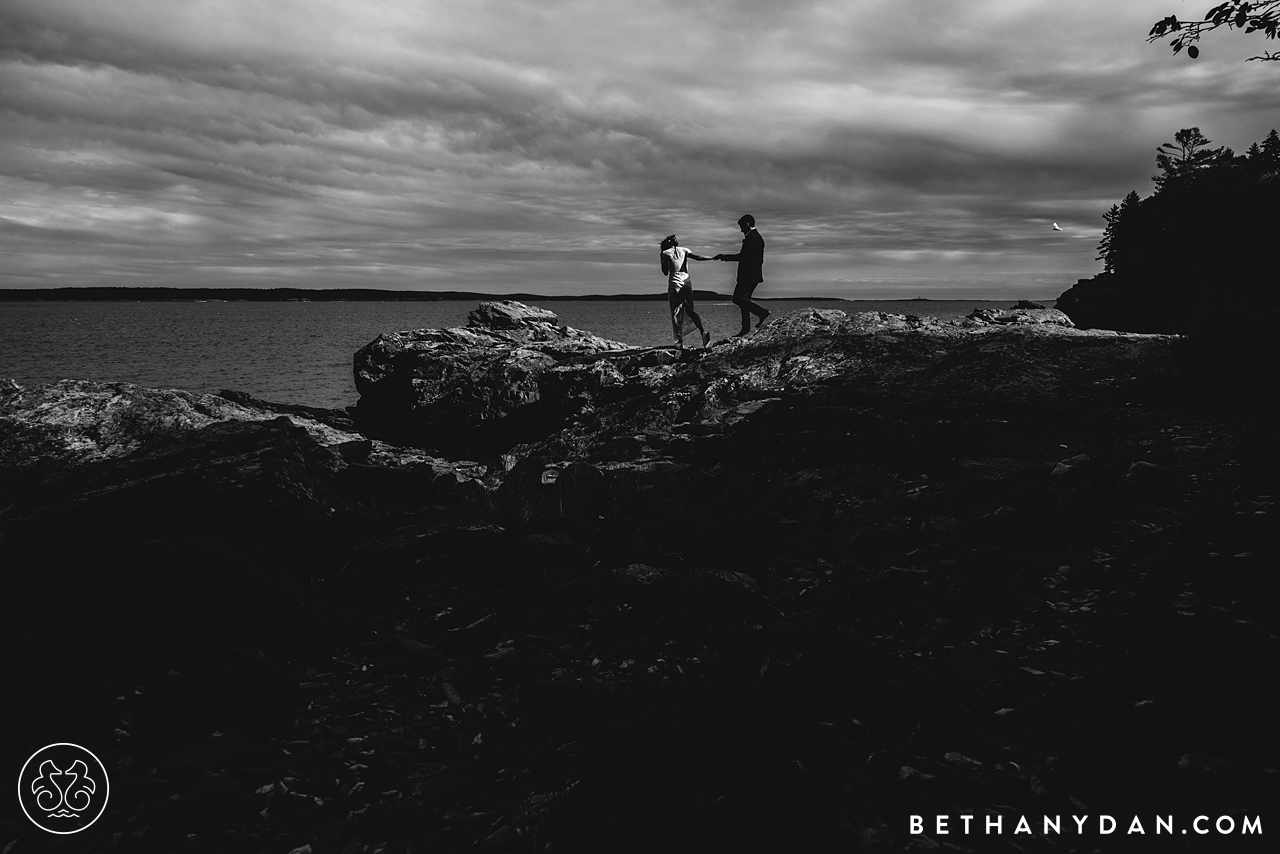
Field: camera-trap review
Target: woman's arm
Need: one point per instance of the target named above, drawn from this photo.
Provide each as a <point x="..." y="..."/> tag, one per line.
<point x="700" y="257"/>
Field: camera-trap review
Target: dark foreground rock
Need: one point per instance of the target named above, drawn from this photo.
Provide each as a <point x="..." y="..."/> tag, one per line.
<point x="782" y="595"/>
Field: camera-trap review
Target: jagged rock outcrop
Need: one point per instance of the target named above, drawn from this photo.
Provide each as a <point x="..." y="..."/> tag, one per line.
<point x="123" y="461"/>
<point x="586" y="398"/>
<point x="894" y="360"/>
<point x="511" y="369"/>
<point x="71" y="422"/>
<point x="1023" y="313"/>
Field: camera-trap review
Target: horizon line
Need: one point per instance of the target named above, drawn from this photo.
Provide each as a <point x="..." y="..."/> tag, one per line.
<point x="169" y="293"/>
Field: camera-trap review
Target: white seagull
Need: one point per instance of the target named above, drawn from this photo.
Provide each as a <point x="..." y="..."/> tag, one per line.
<point x="1057" y="227"/>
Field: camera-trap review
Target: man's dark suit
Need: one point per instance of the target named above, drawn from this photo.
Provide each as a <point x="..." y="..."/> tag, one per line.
<point x="750" y="273"/>
<point x="750" y="259"/>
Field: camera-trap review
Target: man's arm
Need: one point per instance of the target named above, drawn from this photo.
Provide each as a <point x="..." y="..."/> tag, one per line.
<point x="733" y="257"/>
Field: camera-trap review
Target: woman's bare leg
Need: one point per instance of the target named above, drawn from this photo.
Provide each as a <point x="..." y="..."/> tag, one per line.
<point x="697" y="321"/>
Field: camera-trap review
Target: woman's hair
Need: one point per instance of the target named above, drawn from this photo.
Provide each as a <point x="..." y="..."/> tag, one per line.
<point x="667" y="243"/>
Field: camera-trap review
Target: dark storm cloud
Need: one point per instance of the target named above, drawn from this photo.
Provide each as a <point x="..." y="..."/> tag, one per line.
<point x="548" y="145"/>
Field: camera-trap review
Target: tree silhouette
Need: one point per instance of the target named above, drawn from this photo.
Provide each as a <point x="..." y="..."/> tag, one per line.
<point x="1188" y="155"/>
<point x="1271" y="147"/>
<point x="1260" y="17"/>
<point x="1185" y="258"/>
<point x="1211" y="212"/>
<point x="1197" y="258"/>
<point x="1113" y="241"/>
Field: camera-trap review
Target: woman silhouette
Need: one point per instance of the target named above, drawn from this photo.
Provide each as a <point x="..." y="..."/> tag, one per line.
<point x="675" y="266"/>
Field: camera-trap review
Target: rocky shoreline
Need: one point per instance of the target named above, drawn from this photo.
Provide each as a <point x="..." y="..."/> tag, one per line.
<point x="540" y="591"/>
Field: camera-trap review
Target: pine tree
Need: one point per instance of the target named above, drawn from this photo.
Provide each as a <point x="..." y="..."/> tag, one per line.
<point x="1271" y="147"/>
<point x="1104" y="246"/>
<point x="1185" y="157"/>
<point x="1113" y="243"/>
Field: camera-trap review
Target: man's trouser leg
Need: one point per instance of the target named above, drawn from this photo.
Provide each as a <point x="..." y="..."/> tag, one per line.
<point x="742" y="299"/>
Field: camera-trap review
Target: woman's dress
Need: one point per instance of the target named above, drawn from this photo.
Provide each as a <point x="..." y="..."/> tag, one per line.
<point x="675" y="262"/>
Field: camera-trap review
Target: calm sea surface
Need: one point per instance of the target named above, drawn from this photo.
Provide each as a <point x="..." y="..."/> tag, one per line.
<point x="301" y="352"/>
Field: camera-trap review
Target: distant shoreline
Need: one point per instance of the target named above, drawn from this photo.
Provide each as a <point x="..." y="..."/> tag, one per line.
<point x="369" y="295"/>
<point x="305" y="295"/>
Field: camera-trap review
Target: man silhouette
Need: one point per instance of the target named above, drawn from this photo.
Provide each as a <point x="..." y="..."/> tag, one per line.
<point x="750" y="272"/>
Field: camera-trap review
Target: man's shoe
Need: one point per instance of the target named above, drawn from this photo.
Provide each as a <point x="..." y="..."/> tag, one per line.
<point x="762" y="319"/>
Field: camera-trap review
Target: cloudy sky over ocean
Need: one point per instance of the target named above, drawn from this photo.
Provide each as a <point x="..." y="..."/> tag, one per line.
<point x="886" y="147"/>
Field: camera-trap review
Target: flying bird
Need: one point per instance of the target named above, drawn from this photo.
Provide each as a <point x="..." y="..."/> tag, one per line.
<point x="1057" y="227"/>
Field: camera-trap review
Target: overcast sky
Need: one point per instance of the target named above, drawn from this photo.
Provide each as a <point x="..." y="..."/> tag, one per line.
<point x="886" y="147"/>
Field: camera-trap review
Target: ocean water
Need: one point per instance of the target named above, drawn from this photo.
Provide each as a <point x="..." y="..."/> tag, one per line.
<point x="301" y="352"/>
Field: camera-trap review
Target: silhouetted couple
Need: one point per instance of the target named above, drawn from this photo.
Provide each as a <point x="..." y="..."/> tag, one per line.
<point x="675" y="264"/>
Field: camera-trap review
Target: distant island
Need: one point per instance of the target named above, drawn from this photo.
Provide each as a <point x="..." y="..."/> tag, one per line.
<point x="306" y="295"/>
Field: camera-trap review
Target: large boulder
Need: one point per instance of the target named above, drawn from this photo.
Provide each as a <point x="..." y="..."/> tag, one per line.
<point x="509" y="372"/>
